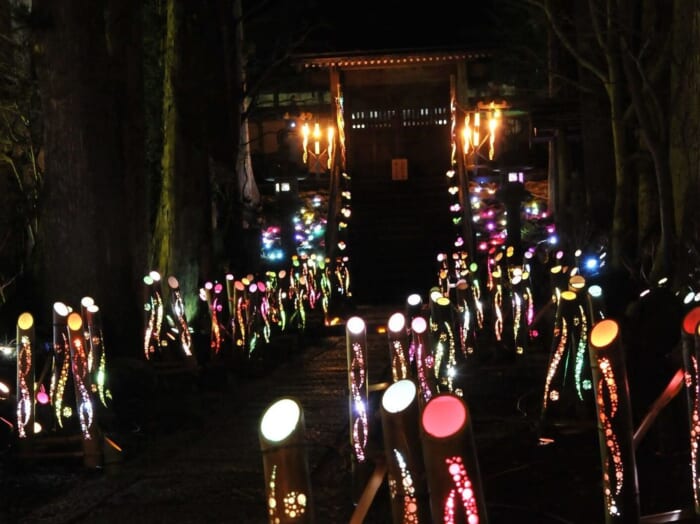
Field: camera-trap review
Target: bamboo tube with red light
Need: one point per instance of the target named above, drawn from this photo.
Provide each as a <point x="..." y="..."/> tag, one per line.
<point x="25" y="376"/>
<point x="60" y="368"/>
<point x="615" y="429"/>
<point x="408" y="490"/>
<point x="397" y="335"/>
<point x="690" y="347"/>
<point x="285" y="464"/>
<point x="358" y="406"/>
<point x="92" y="456"/>
<point x="425" y="374"/>
<point x="451" y="464"/>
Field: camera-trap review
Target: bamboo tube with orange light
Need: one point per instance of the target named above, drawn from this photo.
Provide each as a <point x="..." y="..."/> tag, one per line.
<point x="615" y="429"/>
<point x="451" y="463"/>
<point x="60" y="367"/>
<point x="97" y="356"/>
<point x="288" y="486"/>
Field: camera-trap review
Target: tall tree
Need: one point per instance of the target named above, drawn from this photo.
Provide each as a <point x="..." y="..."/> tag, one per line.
<point x="81" y="244"/>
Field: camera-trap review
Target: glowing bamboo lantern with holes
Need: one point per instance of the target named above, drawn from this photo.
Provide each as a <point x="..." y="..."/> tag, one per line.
<point x="60" y="368"/>
<point x="92" y="456"/>
<point x="443" y="343"/>
<point x="25" y="376"/>
<point x="408" y="490"/>
<point x="182" y="328"/>
<point x="97" y="358"/>
<point x="425" y="375"/>
<point x="451" y="465"/>
<point x="595" y="303"/>
<point x="285" y="463"/>
<point x="153" y="309"/>
<point x="397" y="335"/>
<point x="466" y="321"/>
<point x="615" y="429"/>
<point x="690" y="347"/>
<point x="358" y="405"/>
<point x="414" y="306"/>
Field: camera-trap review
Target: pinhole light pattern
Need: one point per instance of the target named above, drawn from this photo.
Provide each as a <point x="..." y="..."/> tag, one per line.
<point x="177" y="306"/>
<point x="466" y="326"/>
<point x="424" y="360"/>
<point x="581" y="360"/>
<point x="692" y="385"/>
<point x="97" y="355"/>
<point x="398" y="342"/>
<point x="25" y="382"/>
<point x="560" y="338"/>
<point x="81" y="376"/>
<point x="357" y="378"/>
<point x="462" y="491"/>
<point x="613" y="474"/>
<point x="61" y="371"/>
<point x="405" y="488"/>
<point x="153" y="308"/>
<point x="293" y="503"/>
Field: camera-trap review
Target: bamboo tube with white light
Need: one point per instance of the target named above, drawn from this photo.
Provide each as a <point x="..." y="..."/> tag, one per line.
<point x="358" y="403"/>
<point x="615" y="429"/>
<point x="690" y="348"/>
<point x="288" y="486"/>
<point x="97" y="356"/>
<point x="451" y="463"/>
<point x="425" y="375"/>
<point x="397" y="334"/>
<point x="443" y="343"/>
<point x="181" y="327"/>
<point x="60" y="367"/>
<point x="408" y="490"/>
<point x="25" y="376"/>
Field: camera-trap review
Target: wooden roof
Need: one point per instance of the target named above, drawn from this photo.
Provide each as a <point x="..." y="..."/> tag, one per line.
<point x="387" y="59"/>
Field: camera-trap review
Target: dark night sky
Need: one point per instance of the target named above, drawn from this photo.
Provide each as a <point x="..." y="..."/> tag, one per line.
<point x="380" y="24"/>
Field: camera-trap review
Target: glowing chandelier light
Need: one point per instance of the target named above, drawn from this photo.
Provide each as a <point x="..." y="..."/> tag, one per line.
<point x="314" y="152"/>
<point x="480" y="127"/>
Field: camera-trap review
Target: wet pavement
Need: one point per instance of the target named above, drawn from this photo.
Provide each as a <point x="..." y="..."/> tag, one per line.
<point x="191" y="452"/>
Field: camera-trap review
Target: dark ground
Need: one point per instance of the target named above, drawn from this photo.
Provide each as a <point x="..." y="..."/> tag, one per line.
<point x="191" y="452"/>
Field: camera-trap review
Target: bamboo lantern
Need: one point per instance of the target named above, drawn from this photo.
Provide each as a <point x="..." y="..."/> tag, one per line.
<point x="690" y="347"/>
<point x="408" y="490"/>
<point x="285" y="463"/>
<point x="60" y="372"/>
<point x="358" y="405"/>
<point x="25" y="376"/>
<point x="451" y="465"/>
<point x="177" y="307"/>
<point x="425" y="375"/>
<point x="615" y="429"/>
<point x="397" y="335"/>
<point x="79" y="351"/>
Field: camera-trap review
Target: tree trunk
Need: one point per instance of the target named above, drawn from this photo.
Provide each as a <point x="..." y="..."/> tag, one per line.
<point x="81" y="245"/>
<point x="182" y="236"/>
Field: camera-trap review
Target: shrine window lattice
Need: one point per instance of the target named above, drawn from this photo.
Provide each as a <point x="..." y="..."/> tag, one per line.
<point x="406" y="117"/>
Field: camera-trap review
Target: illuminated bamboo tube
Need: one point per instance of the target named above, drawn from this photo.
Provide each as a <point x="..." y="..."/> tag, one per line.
<point x="443" y="343"/>
<point x="25" y="376"/>
<point x="97" y="361"/>
<point x="414" y="306"/>
<point x="451" y="464"/>
<point x="153" y="310"/>
<point x="690" y="348"/>
<point x="408" y="490"/>
<point x="595" y="302"/>
<point x="177" y="307"/>
<point x="358" y="405"/>
<point x="92" y="456"/>
<point x="60" y="367"/>
<point x="467" y="320"/>
<point x="285" y="463"/>
<point x="425" y="375"/>
<point x="615" y="429"/>
<point x="397" y="335"/>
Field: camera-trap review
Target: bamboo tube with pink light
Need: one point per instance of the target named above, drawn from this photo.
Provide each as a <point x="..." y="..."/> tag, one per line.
<point x="451" y="462"/>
